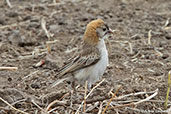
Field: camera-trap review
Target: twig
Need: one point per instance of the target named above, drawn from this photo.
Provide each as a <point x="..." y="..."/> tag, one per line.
<point x="40" y="63"/>
<point x="37" y="105"/>
<point x="120" y="97"/>
<point x="8" y="68"/>
<point x="54" y="102"/>
<point x="89" y="95"/>
<point x="93" y="107"/>
<point x="121" y="106"/>
<point x="52" y="110"/>
<point x="31" y="74"/>
<point x="14" y="24"/>
<point x="52" y="42"/>
<point x="13" y="107"/>
<point x="136" y="103"/>
<point x="34" y="54"/>
<point x="113" y="95"/>
<point x="134" y="100"/>
<point x="115" y="99"/>
<point x="130" y="46"/>
<point x="58" y="82"/>
<point x="9" y="4"/>
<point x="134" y="94"/>
<point x="149" y="37"/>
<point x="167" y="22"/>
<point x="22" y="100"/>
<point x="148" y="98"/>
<point x="43" y="24"/>
<point x="167" y="28"/>
<point x="135" y="56"/>
<point x="47" y="5"/>
<point x="48" y="45"/>
<point x="100" y="109"/>
<point x="95" y="88"/>
<point x="158" y="52"/>
<point x="64" y="96"/>
<point x="168" y="90"/>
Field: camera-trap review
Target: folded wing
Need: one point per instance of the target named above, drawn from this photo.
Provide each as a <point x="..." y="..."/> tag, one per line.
<point x="80" y="60"/>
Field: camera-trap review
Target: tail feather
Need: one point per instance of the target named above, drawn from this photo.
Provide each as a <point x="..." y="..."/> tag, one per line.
<point x="57" y="82"/>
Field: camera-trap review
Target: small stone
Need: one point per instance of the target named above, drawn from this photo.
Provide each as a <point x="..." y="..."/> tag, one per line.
<point x="2" y="21"/>
<point x="165" y="56"/>
<point x="9" y="79"/>
<point x="12" y="14"/>
<point x="168" y="37"/>
<point x="35" y="86"/>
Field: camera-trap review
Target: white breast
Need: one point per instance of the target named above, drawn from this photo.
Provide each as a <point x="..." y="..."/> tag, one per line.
<point x="93" y="73"/>
<point x="100" y="67"/>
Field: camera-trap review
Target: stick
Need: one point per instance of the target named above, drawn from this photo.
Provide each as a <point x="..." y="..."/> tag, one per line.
<point x="13" y="107"/>
<point x="37" y="105"/>
<point x="130" y="46"/>
<point x="149" y="37"/>
<point x="136" y="103"/>
<point x="51" y="42"/>
<point x="113" y="95"/>
<point x="167" y="22"/>
<point x="148" y="98"/>
<point x="168" y="90"/>
<point x="49" y="112"/>
<point x="54" y="102"/>
<point x="158" y="52"/>
<point x="31" y="74"/>
<point x="134" y="94"/>
<point x="100" y="108"/>
<point x="167" y="28"/>
<point x="9" y="4"/>
<point x="89" y="95"/>
<point x="8" y="68"/>
<point x="43" y="24"/>
<point x="117" y="98"/>
<point x="48" y="44"/>
<point x="14" y="24"/>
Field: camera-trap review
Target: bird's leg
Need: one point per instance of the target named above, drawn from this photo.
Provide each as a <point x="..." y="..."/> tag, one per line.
<point x="89" y="86"/>
<point x="85" y="95"/>
<point x="71" y="97"/>
<point x="70" y="86"/>
<point x="73" y="86"/>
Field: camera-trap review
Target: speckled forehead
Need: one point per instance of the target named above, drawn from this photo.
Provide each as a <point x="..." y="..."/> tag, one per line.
<point x="96" y="23"/>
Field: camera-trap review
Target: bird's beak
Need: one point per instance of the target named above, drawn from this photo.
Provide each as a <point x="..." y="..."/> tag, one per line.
<point x="110" y="31"/>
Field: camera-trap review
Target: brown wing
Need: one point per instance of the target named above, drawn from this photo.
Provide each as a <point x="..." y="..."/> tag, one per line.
<point x="82" y="59"/>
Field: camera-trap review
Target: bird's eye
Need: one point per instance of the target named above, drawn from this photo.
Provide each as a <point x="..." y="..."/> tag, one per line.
<point x="104" y="29"/>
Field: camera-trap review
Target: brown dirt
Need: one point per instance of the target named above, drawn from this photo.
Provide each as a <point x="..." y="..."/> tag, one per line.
<point x="143" y="69"/>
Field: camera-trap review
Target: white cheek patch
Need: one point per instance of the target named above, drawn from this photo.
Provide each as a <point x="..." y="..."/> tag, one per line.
<point x="105" y="36"/>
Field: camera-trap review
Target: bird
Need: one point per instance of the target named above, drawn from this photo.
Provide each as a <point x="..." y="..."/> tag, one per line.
<point x="90" y="61"/>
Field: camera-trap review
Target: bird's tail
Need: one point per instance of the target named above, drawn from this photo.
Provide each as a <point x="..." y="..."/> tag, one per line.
<point x="57" y="82"/>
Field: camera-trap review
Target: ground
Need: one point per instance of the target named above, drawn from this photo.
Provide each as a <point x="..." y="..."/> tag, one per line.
<point x="139" y="54"/>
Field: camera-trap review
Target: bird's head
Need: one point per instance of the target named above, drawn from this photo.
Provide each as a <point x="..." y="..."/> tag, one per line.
<point x="95" y="31"/>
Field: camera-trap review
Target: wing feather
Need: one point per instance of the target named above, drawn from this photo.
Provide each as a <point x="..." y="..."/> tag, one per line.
<point x="82" y="59"/>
